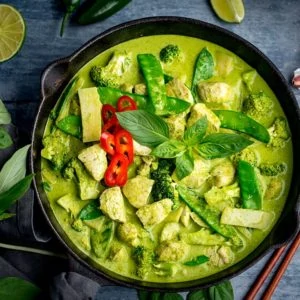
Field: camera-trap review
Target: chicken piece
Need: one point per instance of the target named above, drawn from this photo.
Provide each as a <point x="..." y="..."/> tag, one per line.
<point x="128" y="233"/>
<point x="198" y="176"/>
<point x="137" y="190"/>
<point x="171" y="251"/>
<point x="176" y="124"/>
<point x="154" y="213"/>
<point x="177" y="89"/>
<point x="216" y="94"/>
<point x="200" y="110"/>
<point x="223" y="174"/>
<point x="140" y="149"/>
<point x="94" y="159"/>
<point x="169" y="232"/>
<point x="140" y="89"/>
<point x="112" y="204"/>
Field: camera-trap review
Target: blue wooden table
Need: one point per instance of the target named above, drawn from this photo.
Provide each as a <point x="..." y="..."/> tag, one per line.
<point x="271" y="25"/>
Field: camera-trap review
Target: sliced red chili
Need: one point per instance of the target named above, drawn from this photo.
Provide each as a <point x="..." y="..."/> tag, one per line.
<point x="107" y="142"/>
<point x="108" y="112"/>
<point x="111" y="125"/>
<point x="126" y="103"/>
<point x="116" y="173"/>
<point x="124" y="144"/>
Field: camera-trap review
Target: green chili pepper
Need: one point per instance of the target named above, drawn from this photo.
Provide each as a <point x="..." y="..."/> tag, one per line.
<point x="70" y="7"/>
<point x="70" y="125"/>
<point x="240" y="122"/>
<point x="207" y="214"/>
<point x="250" y="192"/>
<point x="111" y="96"/>
<point x="154" y="77"/>
<point x="97" y="10"/>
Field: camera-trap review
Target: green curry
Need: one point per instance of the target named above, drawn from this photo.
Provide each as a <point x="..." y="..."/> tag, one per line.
<point x="211" y="168"/>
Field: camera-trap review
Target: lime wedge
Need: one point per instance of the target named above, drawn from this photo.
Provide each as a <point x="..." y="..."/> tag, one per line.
<point x="12" y="32"/>
<point x="231" y="11"/>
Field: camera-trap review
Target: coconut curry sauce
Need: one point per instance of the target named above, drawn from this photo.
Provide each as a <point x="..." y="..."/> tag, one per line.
<point x="217" y="177"/>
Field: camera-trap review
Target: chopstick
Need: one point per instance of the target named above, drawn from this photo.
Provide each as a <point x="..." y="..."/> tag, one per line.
<point x="269" y="266"/>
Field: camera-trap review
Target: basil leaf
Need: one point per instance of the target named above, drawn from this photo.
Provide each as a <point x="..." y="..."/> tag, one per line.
<point x="17" y="191"/>
<point x="201" y="259"/>
<point x="169" y="149"/>
<point x="14" y="169"/>
<point x="90" y="211"/>
<point x="219" y="145"/>
<point x="194" y="134"/>
<point x="71" y="125"/>
<point x="203" y="69"/>
<point x="5" y="139"/>
<point x="198" y="295"/>
<point x="146" y="128"/>
<point x="5" y="117"/>
<point x="170" y="296"/>
<point x="221" y="291"/>
<point x="5" y="216"/>
<point x="13" y="288"/>
<point x="184" y="165"/>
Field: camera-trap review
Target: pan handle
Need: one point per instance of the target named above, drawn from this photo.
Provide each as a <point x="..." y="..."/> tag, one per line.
<point x="55" y="77"/>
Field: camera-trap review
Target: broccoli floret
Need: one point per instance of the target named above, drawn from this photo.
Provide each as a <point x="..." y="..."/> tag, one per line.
<point x="258" y="106"/>
<point x="169" y="53"/>
<point x="272" y="169"/>
<point x="89" y="188"/>
<point x="279" y="133"/>
<point x="111" y="74"/>
<point x="163" y="187"/>
<point x="247" y="155"/>
<point x="59" y="148"/>
<point x="143" y="258"/>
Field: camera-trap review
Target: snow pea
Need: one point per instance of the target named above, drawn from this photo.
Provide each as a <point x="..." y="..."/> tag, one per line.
<point x="241" y="122"/>
<point x="207" y="214"/>
<point x="154" y="77"/>
<point x="111" y="95"/>
<point x="70" y="7"/>
<point x="250" y="192"/>
<point x="70" y="125"/>
<point x="97" y="10"/>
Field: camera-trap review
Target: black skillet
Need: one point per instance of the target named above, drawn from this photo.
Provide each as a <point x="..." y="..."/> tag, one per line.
<point x="58" y="74"/>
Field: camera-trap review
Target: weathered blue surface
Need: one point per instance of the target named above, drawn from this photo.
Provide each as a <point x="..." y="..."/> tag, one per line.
<point x="271" y="25"/>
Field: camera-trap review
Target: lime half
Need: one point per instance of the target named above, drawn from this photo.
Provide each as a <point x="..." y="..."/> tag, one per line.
<point x="231" y="11"/>
<point x="12" y="32"/>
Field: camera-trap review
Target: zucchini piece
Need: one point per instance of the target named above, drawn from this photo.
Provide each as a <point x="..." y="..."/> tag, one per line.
<point x="71" y="204"/>
<point x="90" y="106"/>
<point x="246" y="218"/>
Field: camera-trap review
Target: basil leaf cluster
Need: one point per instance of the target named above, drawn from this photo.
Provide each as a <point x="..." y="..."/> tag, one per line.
<point x="150" y="130"/>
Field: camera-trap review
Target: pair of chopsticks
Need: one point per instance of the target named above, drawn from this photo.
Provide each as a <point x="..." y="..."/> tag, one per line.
<point x="268" y="268"/>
